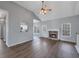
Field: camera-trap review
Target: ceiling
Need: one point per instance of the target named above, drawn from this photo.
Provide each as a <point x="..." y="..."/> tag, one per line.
<point x="60" y="9"/>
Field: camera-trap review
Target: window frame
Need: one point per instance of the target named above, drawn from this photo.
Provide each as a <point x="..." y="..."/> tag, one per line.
<point x="63" y="29"/>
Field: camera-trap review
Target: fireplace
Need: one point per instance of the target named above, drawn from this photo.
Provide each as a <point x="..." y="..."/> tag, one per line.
<point x="53" y="34"/>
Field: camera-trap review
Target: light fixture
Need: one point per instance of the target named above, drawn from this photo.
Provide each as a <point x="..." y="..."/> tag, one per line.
<point x="44" y="10"/>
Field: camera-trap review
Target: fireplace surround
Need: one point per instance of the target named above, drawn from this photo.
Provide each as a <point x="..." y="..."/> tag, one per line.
<point x="53" y="34"/>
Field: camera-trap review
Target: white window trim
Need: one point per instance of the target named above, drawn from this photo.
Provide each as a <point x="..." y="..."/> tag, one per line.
<point x="62" y="29"/>
<point x="44" y="26"/>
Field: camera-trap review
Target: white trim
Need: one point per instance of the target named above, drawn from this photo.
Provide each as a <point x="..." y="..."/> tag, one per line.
<point x="62" y="29"/>
<point x="55" y="30"/>
<point x="6" y="26"/>
<point x="10" y="45"/>
<point x="44" y="27"/>
<point x="7" y="22"/>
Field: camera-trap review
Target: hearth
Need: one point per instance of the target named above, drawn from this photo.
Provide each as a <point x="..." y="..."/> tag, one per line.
<point x="53" y="34"/>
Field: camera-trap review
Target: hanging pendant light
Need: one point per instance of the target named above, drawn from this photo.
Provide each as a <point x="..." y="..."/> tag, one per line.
<point x="44" y="9"/>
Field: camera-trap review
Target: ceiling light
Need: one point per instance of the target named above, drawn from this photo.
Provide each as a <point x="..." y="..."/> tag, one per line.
<point x="44" y="10"/>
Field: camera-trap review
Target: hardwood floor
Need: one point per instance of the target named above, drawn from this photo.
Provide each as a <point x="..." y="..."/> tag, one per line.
<point x="39" y="48"/>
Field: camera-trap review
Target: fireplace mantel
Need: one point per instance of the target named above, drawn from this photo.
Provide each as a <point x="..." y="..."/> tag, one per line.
<point x="54" y="32"/>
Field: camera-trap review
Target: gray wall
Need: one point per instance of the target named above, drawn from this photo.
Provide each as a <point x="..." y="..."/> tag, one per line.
<point x="56" y="24"/>
<point x="17" y="14"/>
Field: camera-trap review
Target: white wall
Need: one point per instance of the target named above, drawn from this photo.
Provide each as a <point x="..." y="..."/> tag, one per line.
<point x="56" y="24"/>
<point x="17" y="14"/>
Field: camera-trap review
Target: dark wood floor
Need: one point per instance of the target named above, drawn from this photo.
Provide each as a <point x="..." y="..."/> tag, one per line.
<point x="39" y="48"/>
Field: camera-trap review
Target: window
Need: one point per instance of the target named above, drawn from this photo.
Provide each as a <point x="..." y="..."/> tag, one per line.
<point x="66" y="29"/>
<point x="44" y="28"/>
<point x="36" y="29"/>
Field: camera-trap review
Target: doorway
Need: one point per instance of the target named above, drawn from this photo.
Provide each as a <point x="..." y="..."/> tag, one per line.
<point x="3" y="25"/>
<point x="36" y="28"/>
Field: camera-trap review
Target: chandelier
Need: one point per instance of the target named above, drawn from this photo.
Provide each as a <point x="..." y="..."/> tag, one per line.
<point x="44" y="10"/>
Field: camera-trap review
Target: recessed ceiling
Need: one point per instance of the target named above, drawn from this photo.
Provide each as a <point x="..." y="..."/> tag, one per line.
<point x="60" y="9"/>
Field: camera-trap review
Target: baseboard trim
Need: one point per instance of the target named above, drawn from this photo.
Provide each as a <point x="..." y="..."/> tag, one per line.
<point x="68" y="42"/>
<point x="18" y="43"/>
<point x="21" y="43"/>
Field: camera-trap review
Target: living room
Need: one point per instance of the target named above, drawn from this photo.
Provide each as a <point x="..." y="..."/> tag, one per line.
<point x="39" y="29"/>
